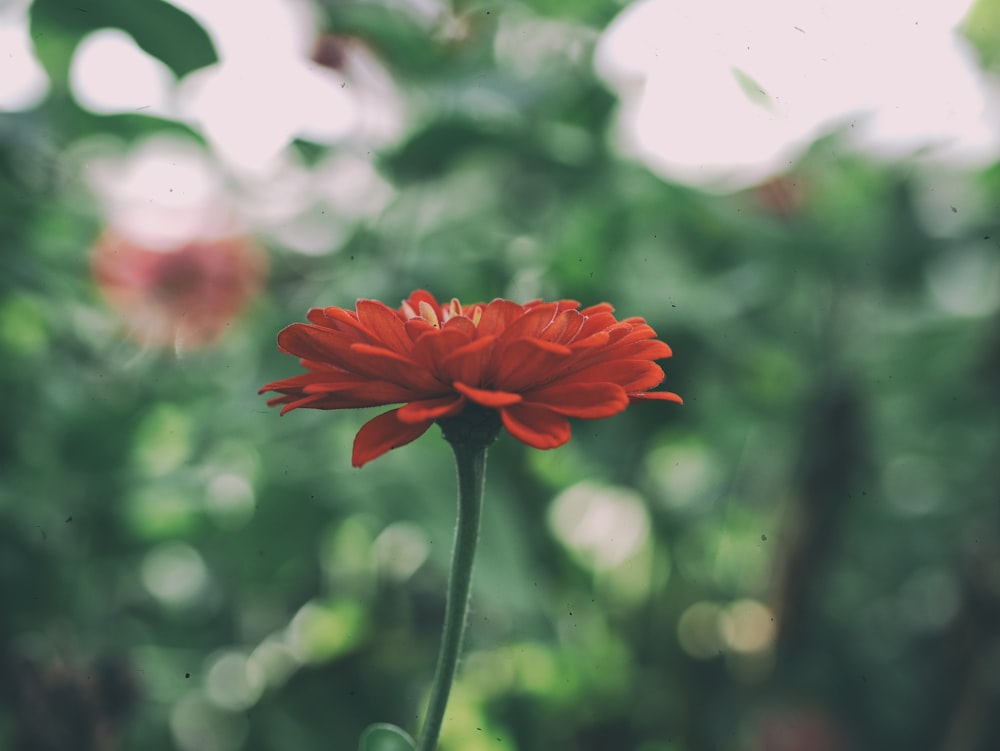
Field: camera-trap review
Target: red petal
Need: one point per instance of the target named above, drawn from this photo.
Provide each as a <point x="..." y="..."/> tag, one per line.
<point x="303" y="402"/>
<point x="562" y="305"/>
<point x="631" y="375"/>
<point x="526" y="363"/>
<point x="600" y="308"/>
<point x="589" y="400"/>
<point x="486" y="397"/>
<point x="598" y="339"/>
<point x="530" y="324"/>
<point x="346" y="322"/>
<point x="468" y="363"/>
<point x="431" y="409"/>
<point x="416" y="328"/>
<point x="535" y="426"/>
<point x="664" y="396"/>
<point x="384" y="433"/>
<point x="650" y="379"/>
<point x="497" y="316"/>
<point x="461" y="323"/>
<point x="595" y="322"/>
<point x="648" y="349"/>
<point x="362" y="394"/>
<point x="383" y="364"/>
<point x="434" y="348"/>
<point x="295" y="383"/>
<point x="618" y="332"/>
<point x="421" y="295"/>
<point x="385" y="325"/>
<point x="315" y="343"/>
<point x="564" y="327"/>
<point x="319" y="317"/>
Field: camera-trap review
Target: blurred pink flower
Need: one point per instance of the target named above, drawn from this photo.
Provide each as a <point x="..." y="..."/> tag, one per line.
<point x="184" y="296"/>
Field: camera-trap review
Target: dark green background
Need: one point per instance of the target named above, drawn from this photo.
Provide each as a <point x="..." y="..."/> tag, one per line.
<point x="837" y="458"/>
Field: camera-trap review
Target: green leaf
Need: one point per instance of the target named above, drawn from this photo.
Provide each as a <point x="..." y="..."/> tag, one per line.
<point x="159" y="28"/>
<point x="385" y="737"/>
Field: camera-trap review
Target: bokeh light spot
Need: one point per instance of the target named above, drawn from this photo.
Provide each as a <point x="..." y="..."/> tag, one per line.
<point x="535" y="667"/>
<point x="275" y="661"/>
<point x="163" y="440"/>
<point x="602" y="525"/>
<point x="323" y="631"/>
<point x="233" y="681"/>
<point x="401" y="548"/>
<point x="230" y="500"/>
<point x="197" y="725"/>
<point x="22" y="328"/>
<point x="748" y="626"/>
<point x="175" y="574"/>
<point x="700" y="630"/>
<point x="966" y="282"/>
<point x="23" y="81"/>
<point x="913" y="485"/>
<point x="929" y="600"/>
<point x="683" y="476"/>
<point x="110" y="74"/>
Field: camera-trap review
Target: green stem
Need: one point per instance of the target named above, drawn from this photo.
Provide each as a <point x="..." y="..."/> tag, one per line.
<point x="470" y="459"/>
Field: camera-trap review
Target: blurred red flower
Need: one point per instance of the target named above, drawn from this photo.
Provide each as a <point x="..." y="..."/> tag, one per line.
<point x="536" y="364"/>
<point x="184" y="296"/>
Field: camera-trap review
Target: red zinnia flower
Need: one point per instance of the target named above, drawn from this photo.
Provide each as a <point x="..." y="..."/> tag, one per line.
<point x="536" y="364"/>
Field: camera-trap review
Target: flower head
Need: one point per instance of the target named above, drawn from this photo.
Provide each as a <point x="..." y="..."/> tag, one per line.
<point x="535" y="364"/>
<point x="183" y="296"/>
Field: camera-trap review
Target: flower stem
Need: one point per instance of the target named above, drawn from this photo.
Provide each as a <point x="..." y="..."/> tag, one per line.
<point x="470" y="460"/>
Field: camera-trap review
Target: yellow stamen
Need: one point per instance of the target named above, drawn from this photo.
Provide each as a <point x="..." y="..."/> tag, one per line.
<point x="429" y="314"/>
<point x="477" y="314"/>
<point x="451" y="310"/>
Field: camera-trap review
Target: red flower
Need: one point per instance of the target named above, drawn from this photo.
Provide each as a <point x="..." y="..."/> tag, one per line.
<point x="536" y="364"/>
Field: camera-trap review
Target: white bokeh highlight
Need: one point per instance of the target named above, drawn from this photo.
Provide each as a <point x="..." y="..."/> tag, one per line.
<point x="723" y="94"/>
<point x="23" y="81"/>
<point x="264" y="91"/>
<point x="110" y="74"/>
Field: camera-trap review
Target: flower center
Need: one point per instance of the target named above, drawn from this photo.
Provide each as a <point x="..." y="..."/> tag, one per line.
<point x="437" y="319"/>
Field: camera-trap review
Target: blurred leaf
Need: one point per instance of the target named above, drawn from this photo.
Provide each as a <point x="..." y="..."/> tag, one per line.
<point x="982" y="28"/>
<point x="386" y="737"/>
<point x="432" y="151"/>
<point x="159" y="28"/>
<point x="597" y="12"/>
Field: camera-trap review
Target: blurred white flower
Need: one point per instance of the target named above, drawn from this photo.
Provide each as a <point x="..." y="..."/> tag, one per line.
<point x="722" y="94"/>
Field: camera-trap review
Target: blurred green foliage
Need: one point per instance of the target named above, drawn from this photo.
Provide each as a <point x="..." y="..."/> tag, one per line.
<point x="811" y="543"/>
